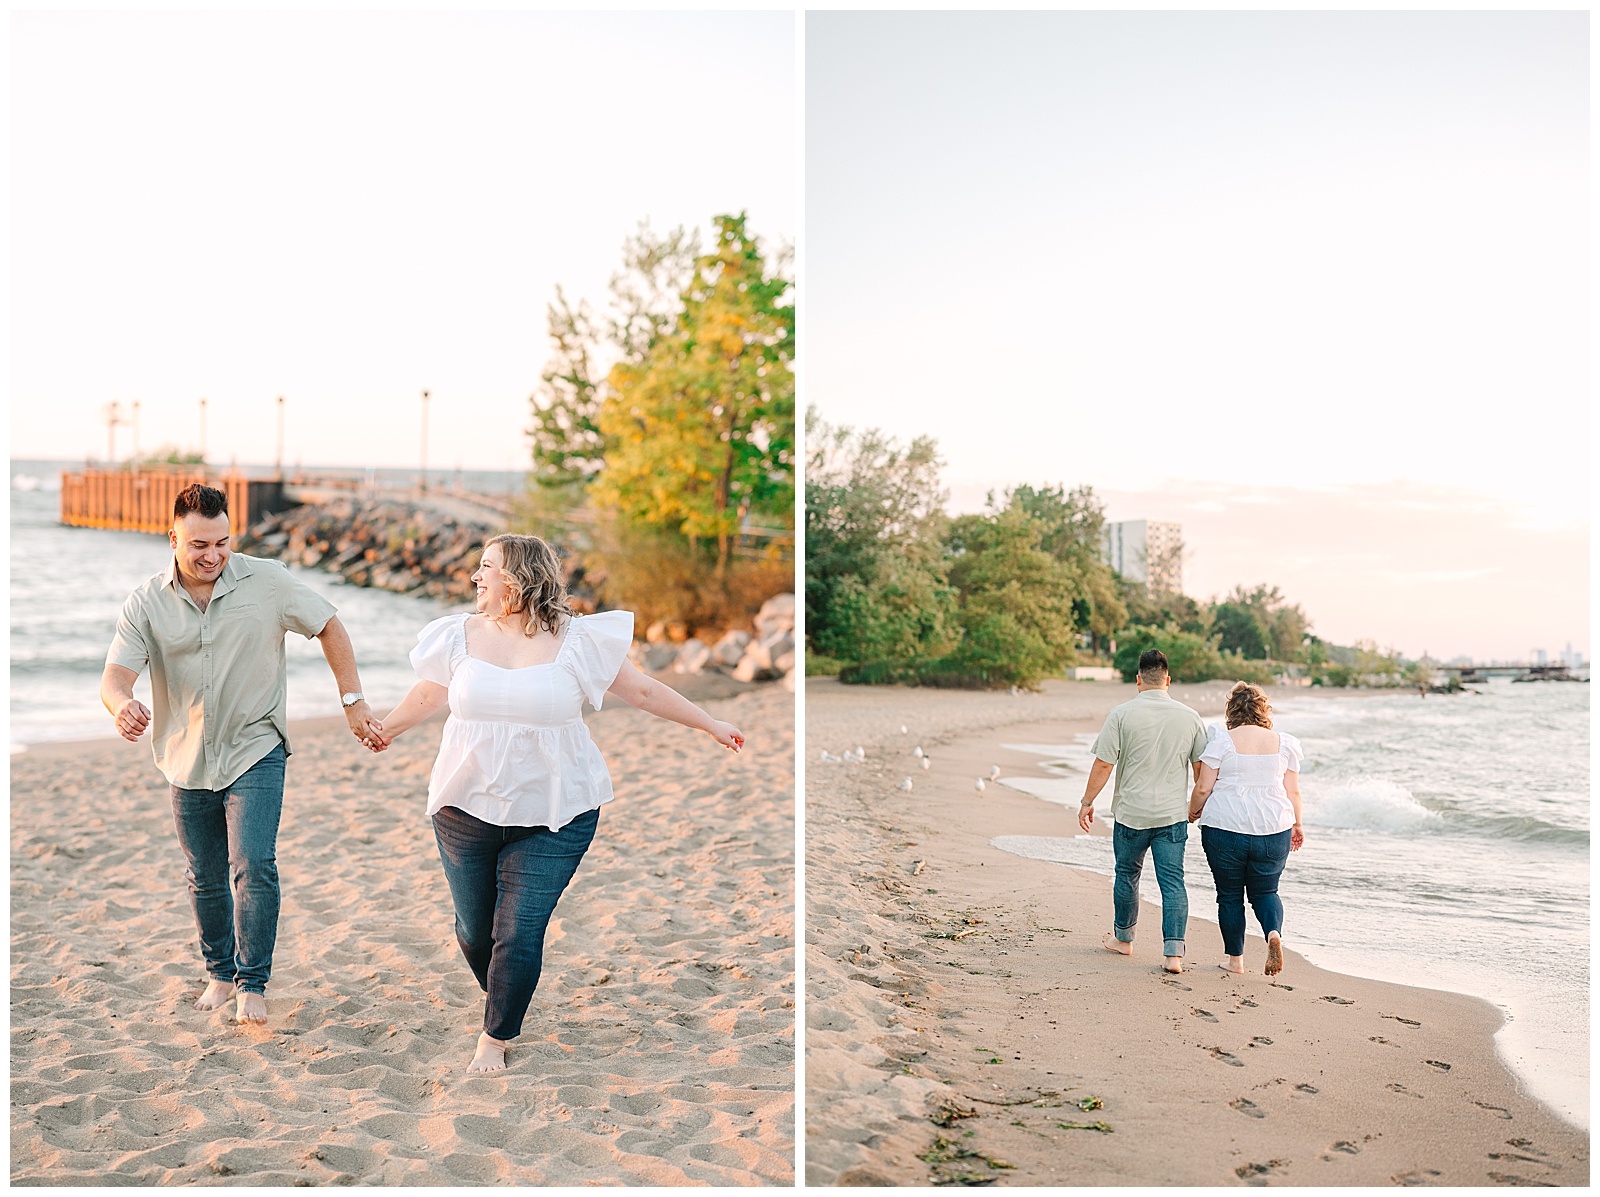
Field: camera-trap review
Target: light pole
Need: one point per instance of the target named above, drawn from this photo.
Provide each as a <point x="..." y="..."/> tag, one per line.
<point x="111" y="413"/>
<point x="202" y="432"/>
<point x="280" y="438"/>
<point x="423" y="485"/>
<point x="135" y="426"/>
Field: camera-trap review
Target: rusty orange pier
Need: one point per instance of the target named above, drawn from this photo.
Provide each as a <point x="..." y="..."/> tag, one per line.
<point x="141" y="500"/>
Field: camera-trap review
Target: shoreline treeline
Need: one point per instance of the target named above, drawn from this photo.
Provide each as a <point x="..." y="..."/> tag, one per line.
<point x="899" y="591"/>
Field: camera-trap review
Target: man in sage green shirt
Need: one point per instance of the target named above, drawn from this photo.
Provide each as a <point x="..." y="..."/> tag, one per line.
<point x="1154" y="742"/>
<point x="210" y="628"/>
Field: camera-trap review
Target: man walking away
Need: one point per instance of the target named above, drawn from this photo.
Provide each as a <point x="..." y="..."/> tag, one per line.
<point x="1154" y="742"/>
<point x="210" y="627"/>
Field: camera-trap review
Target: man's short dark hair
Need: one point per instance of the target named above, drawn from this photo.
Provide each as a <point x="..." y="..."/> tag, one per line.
<point x="196" y="499"/>
<point x="1152" y="666"/>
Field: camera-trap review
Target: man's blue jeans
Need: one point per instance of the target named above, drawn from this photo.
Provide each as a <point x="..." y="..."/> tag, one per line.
<point x="505" y="882"/>
<point x="1242" y="864"/>
<point x="1165" y="845"/>
<point x="230" y="838"/>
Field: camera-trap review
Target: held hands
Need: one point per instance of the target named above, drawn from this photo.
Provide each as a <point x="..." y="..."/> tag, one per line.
<point x="132" y="718"/>
<point x="365" y="728"/>
<point x="726" y="734"/>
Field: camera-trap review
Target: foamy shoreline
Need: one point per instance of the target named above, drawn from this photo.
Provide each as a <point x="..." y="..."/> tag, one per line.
<point x="940" y="970"/>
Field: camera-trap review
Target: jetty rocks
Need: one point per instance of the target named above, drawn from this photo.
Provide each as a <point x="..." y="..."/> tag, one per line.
<point x="385" y="544"/>
<point x="763" y="655"/>
<point x="415" y="549"/>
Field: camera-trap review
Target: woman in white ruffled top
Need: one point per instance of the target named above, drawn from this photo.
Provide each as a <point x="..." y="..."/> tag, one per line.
<point x="516" y="792"/>
<point x="1247" y="800"/>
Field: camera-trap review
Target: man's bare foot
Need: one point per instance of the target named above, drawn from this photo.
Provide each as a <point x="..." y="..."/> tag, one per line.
<point x="252" y="1008"/>
<point x="490" y="1056"/>
<point x="217" y="995"/>
<point x="1274" y="955"/>
<point x="1173" y="964"/>
<point x="1112" y="944"/>
<point x="1232" y="964"/>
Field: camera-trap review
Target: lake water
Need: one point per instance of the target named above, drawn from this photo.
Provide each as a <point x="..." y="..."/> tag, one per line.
<point x="1447" y="838"/>
<point x="67" y="588"/>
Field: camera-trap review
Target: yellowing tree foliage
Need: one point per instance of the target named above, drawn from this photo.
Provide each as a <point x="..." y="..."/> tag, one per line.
<point x="699" y="429"/>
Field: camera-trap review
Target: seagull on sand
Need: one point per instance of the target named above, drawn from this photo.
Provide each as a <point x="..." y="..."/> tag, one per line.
<point x="828" y="756"/>
<point x="979" y="785"/>
<point x="994" y="772"/>
<point x="906" y="784"/>
<point x="902" y="729"/>
<point x="917" y="752"/>
<point x="927" y="761"/>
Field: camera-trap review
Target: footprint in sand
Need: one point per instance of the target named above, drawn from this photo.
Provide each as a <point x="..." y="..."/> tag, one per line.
<point x="1226" y="1057"/>
<point x="1439" y="1064"/>
<point x="1256" y="1174"/>
<point x="1381" y="1039"/>
<point x="1410" y="1022"/>
<point x="1176" y="984"/>
<point x="1206" y="1014"/>
<point x="1247" y="1107"/>
<point x="1307" y="1090"/>
<point x="1248" y="1002"/>
<point x="1420" y="1176"/>
<point x="1401" y="1089"/>
<point x="1512" y="1155"/>
<point x="1281" y="985"/>
<point x="1339" y="1001"/>
<point x="1500" y="1110"/>
<point x="1260" y="1041"/>
<point x="1513" y="1180"/>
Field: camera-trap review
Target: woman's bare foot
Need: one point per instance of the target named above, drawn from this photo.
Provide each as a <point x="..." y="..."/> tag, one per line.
<point x="1112" y="944"/>
<point x="1173" y="964"/>
<point x="1232" y="964"/>
<point x="490" y="1056"/>
<point x="1274" y="955"/>
<point x="252" y="1008"/>
<point x="217" y="995"/>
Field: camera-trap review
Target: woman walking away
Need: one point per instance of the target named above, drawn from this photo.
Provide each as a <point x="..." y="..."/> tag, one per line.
<point x="1247" y="800"/>
<point x="516" y="793"/>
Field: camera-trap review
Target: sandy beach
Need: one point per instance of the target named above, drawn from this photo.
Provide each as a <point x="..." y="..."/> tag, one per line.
<point x="659" y="1048"/>
<point x="965" y="1026"/>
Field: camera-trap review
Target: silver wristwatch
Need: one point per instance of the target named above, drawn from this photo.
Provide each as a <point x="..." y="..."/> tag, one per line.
<point x="350" y="699"/>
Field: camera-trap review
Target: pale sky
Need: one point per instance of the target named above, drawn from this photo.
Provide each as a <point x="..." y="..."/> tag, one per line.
<point x="348" y="208"/>
<point x="1339" y="260"/>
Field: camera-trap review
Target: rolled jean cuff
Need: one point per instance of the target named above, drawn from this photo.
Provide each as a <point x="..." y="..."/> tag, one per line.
<point x="1123" y="934"/>
<point x="1172" y="947"/>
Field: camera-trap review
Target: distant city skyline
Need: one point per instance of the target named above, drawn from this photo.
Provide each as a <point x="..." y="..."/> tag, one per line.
<point x="1312" y="284"/>
<point x="365" y="205"/>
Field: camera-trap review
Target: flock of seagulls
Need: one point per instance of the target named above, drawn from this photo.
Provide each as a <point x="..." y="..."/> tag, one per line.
<point x="859" y="754"/>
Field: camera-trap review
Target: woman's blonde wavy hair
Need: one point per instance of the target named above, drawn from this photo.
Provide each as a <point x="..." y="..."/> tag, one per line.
<point x="1248" y="704"/>
<point x="532" y="573"/>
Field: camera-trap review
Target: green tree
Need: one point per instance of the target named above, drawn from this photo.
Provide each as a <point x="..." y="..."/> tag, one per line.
<point x="874" y="521"/>
<point x="1016" y="598"/>
<point x="645" y="300"/>
<point x="1239" y="630"/>
<point x="1071" y="524"/>
<point x="1190" y="658"/>
<point x="700" y="430"/>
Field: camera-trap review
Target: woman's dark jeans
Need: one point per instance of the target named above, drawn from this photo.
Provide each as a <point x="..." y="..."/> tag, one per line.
<point x="505" y="882"/>
<point x="230" y="838"/>
<point x="1242" y="864"/>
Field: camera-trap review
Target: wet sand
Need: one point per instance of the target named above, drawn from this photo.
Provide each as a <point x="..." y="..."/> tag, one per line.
<point x="659" y="1048"/>
<point x="964" y="1025"/>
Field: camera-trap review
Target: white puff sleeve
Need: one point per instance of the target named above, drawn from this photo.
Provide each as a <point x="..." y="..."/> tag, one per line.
<point x="1289" y="748"/>
<point x="1217" y="746"/>
<point x="440" y="647"/>
<point x="598" y="646"/>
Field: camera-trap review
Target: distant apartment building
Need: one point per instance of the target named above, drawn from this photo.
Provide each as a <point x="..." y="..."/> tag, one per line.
<point x="1147" y="551"/>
